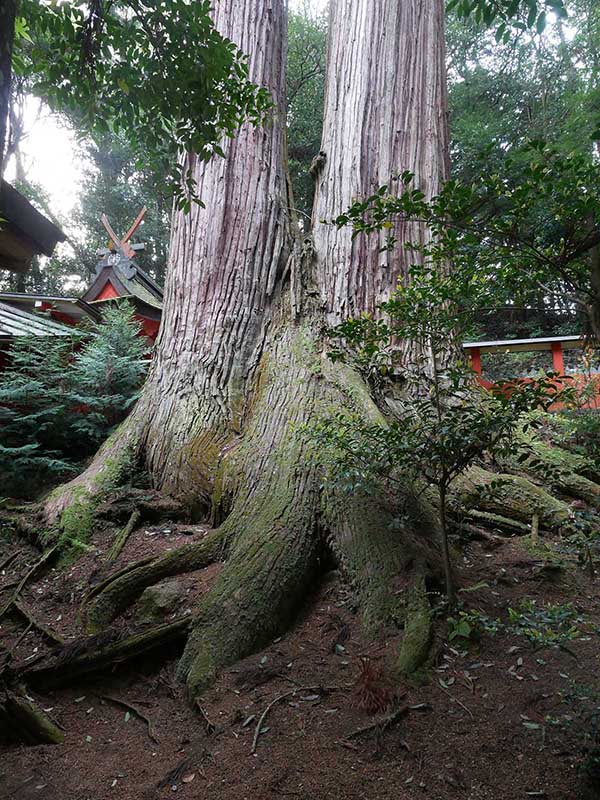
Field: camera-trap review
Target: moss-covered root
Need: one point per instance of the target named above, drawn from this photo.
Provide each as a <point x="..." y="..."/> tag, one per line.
<point x="418" y="632"/>
<point x="511" y="496"/>
<point x="568" y="471"/>
<point x="380" y="548"/>
<point x="275" y="541"/>
<point x="21" y="721"/>
<point x="124" y="590"/>
<point x="272" y="567"/>
<point x="69" y="509"/>
<point x="95" y="653"/>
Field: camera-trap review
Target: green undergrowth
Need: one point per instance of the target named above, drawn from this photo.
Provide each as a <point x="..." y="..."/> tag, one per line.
<point x="543" y="625"/>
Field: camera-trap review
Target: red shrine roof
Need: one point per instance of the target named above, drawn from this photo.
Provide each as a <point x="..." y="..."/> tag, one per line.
<point x="116" y="277"/>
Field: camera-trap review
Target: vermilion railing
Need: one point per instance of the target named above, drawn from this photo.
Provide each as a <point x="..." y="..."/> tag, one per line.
<point x="582" y="382"/>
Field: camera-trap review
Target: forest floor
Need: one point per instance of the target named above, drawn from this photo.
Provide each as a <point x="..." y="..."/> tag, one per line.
<point x="496" y="718"/>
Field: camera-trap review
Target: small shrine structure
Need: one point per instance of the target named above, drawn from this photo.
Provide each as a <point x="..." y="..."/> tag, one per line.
<point x="118" y="276"/>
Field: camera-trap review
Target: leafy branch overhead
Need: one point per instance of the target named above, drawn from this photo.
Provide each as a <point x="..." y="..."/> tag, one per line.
<point x="536" y="223"/>
<point x="156" y="72"/>
<point x="509" y="15"/>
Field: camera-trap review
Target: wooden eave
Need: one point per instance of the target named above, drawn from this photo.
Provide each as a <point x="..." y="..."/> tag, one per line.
<point x="24" y="232"/>
<point x="15" y="322"/>
<point x="70" y="306"/>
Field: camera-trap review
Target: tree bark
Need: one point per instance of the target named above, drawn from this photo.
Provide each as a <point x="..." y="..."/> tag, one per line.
<point x="226" y="264"/>
<point x="7" y="33"/>
<point x="386" y="111"/>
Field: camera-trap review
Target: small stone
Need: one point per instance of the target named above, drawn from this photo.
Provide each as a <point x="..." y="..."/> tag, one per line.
<point x="156" y="602"/>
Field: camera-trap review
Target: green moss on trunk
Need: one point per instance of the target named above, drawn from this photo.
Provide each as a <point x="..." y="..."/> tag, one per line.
<point x="418" y="633"/>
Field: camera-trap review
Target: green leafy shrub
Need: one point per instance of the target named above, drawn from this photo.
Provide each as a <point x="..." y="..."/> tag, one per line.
<point x="441" y="426"/>
<point x="470" y="625"/>
<point x="584" y="436"/>
<point x="549" y="625"/>
<point x="61" y="396"/>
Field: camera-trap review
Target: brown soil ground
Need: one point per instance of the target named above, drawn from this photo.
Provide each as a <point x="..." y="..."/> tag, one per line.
<point x="493" y="721"/>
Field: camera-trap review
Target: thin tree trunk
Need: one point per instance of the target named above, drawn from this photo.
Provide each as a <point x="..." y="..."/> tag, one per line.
<point x="7" y="33"/>
<point x="448" y="573"/>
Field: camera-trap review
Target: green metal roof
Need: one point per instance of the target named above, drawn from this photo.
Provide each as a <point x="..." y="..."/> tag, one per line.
<point x="15" y="322"/>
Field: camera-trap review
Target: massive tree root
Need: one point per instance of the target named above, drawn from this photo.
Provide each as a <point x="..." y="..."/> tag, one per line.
<point x="282" y="525"/>
<point x="94" y="653"/>
<point x="127" y="585"/>
<point x="22" y="722"/>
<point x="507" y="495"/>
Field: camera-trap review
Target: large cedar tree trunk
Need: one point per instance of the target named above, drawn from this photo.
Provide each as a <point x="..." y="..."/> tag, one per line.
<point x="241" y="366"/>
<point x="386" y="111"/>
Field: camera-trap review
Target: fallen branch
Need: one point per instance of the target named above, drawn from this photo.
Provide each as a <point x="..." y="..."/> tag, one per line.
<point x="274" y="702"/>
<point x="123" y="536"/>
<point x="39" y="563"/>
<point x="20" y="639"/>
<point x="94" y="653"/>
<point x="209" y="726"/>
<point x="456" y="700"/>
<point x="26" y="612"/>
<point x="134" y="710"/>
<point x="381" y="723"/>
<point x="9" y="559"/>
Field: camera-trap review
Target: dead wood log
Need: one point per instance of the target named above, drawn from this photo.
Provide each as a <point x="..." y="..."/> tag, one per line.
<point x="123" y="536"/>
<point x="20" y="586"/>
<point x="21" y="721"/>
<point x="94" y="653"/>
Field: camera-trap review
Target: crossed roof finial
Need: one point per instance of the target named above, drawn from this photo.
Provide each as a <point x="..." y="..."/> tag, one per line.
<point x="122" y="245"/>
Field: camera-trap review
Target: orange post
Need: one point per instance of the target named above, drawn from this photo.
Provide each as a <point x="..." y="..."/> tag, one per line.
<point x="475" y="360"/>
<point x="558" y="364"/>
